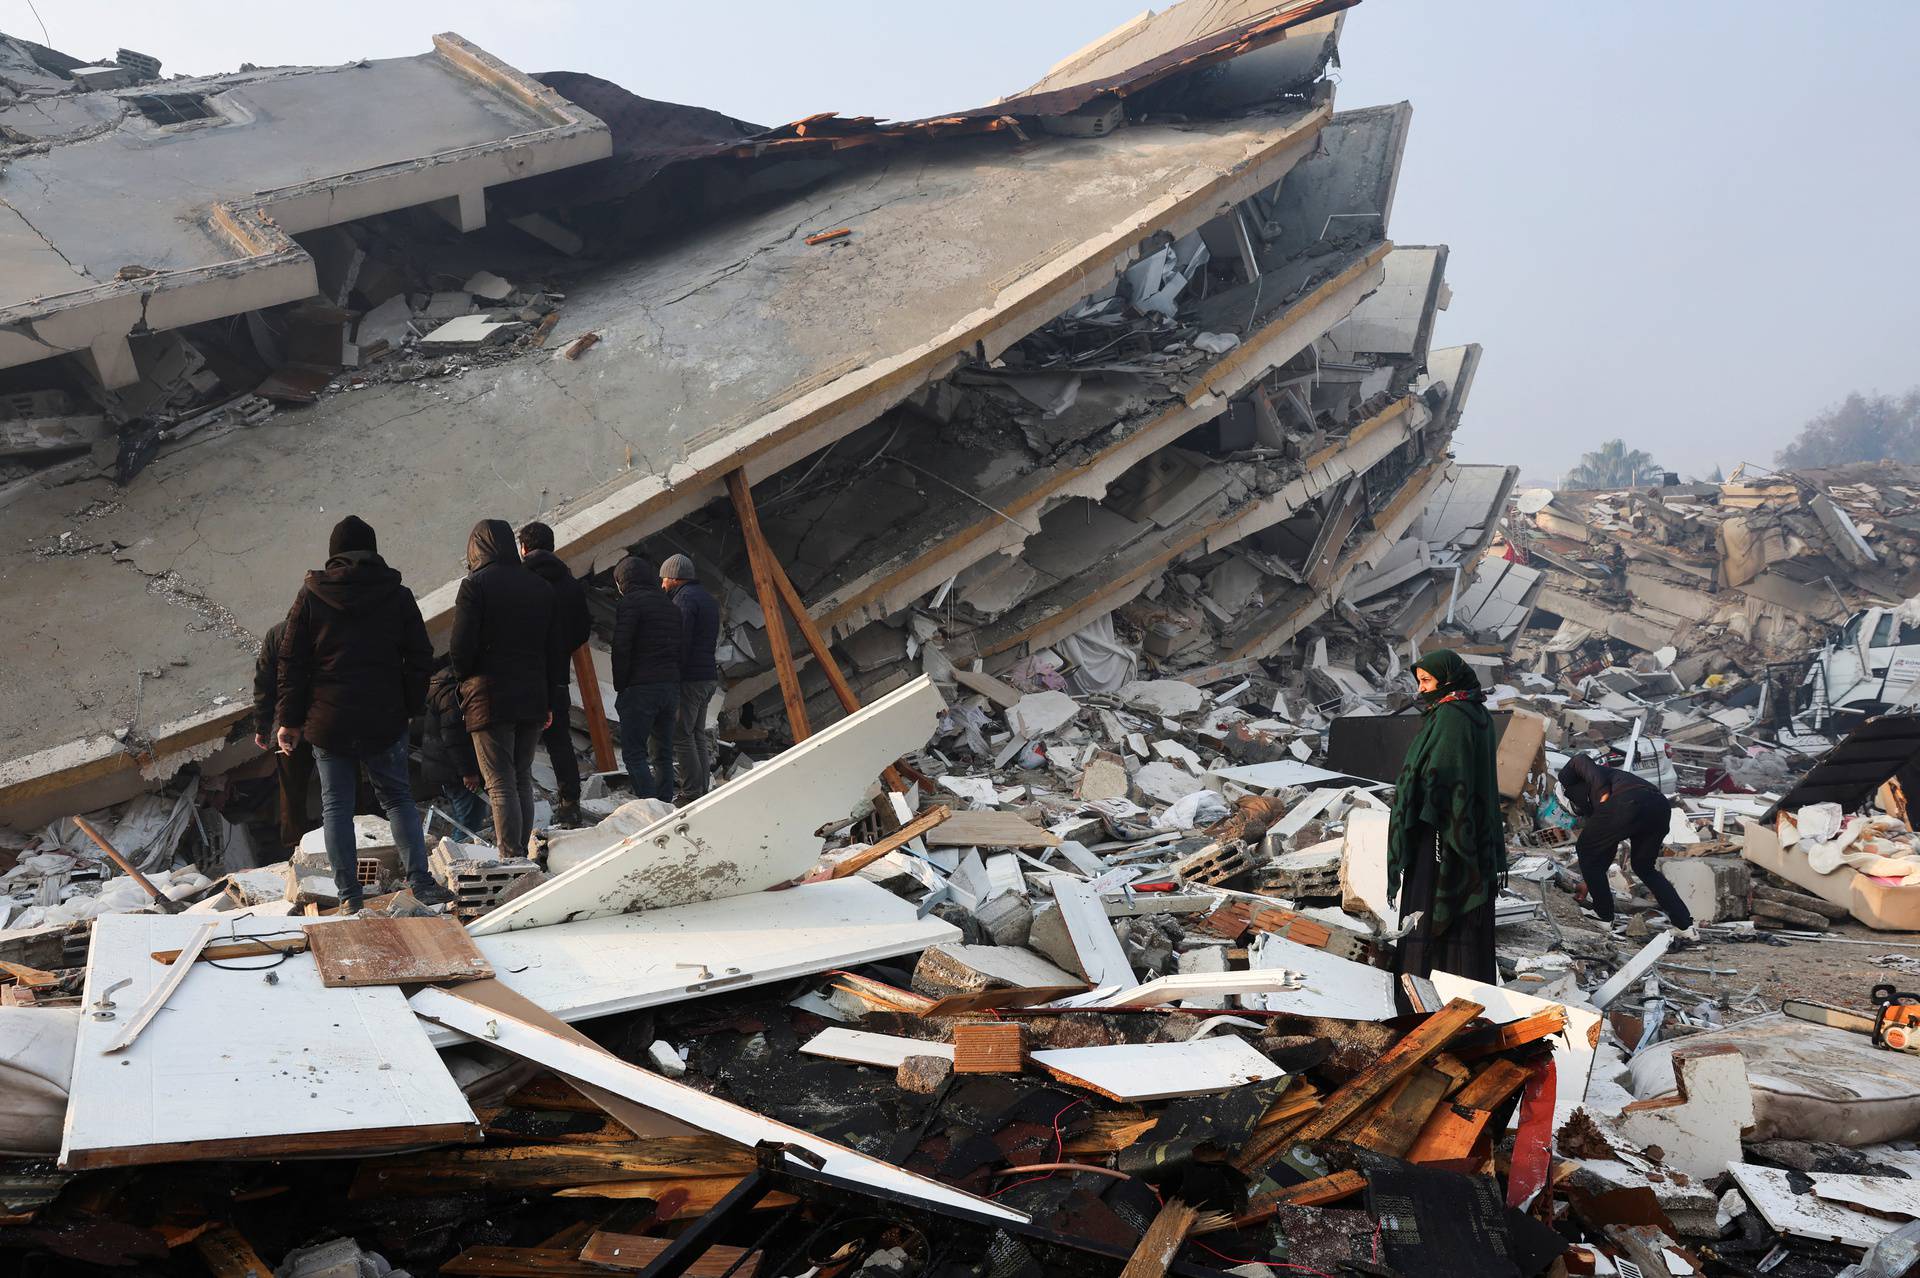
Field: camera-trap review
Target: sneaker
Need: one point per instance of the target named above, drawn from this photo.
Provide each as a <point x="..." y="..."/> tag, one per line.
<point x="431" y="894"/>
<point x="1688" y="935"/>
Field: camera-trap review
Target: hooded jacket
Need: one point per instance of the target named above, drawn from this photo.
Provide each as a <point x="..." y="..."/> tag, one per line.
<point x="354" y="656"/>
<point x="646" y="628"/>
<point x="266" y="679"/>
<point x="570" y="607"/>
<point x="1588" y="784"/>
<point x="446" y="750"/>
<point x="506" y="643"/>
<point x="699" y="632"/>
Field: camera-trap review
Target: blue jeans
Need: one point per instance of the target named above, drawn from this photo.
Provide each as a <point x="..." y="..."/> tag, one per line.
<point x="647" y="712"/>
<point x="467" y="809"/>
<point x="339" y="776"/>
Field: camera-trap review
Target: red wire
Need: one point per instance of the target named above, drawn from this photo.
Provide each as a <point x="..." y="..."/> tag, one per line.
<point x="1059" y="1151"/>
<point x="1265" y="1264"/>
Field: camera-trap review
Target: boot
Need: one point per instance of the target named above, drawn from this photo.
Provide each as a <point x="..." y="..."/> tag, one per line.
<point x="566" y="812"/>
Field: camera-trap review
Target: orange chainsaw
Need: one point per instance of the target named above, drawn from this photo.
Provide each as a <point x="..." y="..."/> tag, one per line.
<point x="1893" y="1024"/>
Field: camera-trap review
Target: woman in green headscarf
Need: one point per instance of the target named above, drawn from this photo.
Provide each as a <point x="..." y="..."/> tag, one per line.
<point x="1446" y="846"/>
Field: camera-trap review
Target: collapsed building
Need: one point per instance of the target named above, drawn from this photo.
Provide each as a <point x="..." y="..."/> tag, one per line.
<point x="1096" y="445"/>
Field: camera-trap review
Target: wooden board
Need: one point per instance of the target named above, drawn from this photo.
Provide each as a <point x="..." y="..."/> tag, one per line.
<point x="1160" y="1071"/>
<point x="1806" y="1215"/>
<point x="1420" y="1044"/>
<point x="1001" y="693"/>
<point x="989" y="1047"/>
<point x="862" y="1048"/>
<point x="1573" y="1046"/>
<point x="408" y="951"/>
<point x="235" y="1067"/>
<point x="989" y="830"/>
<point x="527" y="1168"/>
<point x="688" y="1104"/>
<point x="1187" y="985"/>
<point x="227" y="1254"/>
<point x="634" y="1252"/>
<point x="1162" y="1241"/>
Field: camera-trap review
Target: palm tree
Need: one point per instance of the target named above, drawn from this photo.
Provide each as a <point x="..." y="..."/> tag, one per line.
<point x="1612" y="465"/>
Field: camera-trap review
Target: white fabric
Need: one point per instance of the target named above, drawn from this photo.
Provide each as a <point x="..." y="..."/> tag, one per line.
<point x="36" y="1065"/>
<point x="1102" y="662"/>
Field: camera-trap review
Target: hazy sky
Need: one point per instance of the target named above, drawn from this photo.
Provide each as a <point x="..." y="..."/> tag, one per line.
<point x="1689" y="225"/>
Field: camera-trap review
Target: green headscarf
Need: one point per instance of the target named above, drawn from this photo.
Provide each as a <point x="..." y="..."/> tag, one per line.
<point x="1451" y="783"/>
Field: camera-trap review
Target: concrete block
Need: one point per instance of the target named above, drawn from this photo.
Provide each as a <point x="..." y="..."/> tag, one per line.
<point x="1049" y="936"/>
<point x="1715" y="888"/>
<point x="1007" y="918"/>
<point x="1104" y="777"/>
<point x="1698" y="1130"/>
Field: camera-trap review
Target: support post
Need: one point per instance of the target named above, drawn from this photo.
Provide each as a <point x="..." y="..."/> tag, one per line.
<point x="589" y="680"/>
<point x="760" y="558"/>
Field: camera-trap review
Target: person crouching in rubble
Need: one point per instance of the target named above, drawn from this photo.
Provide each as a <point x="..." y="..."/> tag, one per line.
<point x="354" y="658"/>
<point x="646" y="677"/>
<point x="1446" y="843"/>
<point x="1616" y="806"/>
<point x="447" y="760"/>
<point x="508" y="651"/>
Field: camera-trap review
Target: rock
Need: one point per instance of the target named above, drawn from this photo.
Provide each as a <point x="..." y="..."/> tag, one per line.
<point x="1007" y="918"/>
<point x="1104" y="777"/>
<point x="1168" y="697"/>
<point x="1048" y="935"/>
<point x="1040" y="713"/>
<point x="923" y="1075"/>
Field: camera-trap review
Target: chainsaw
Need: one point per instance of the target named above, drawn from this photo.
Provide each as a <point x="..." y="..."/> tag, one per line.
<point x="1893" y="1024"/>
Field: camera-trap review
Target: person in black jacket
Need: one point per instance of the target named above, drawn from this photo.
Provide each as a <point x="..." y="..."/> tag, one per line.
<point x="447" y="760"/>
<point x="699" y="673"/>
<point x="506" y="652"/>
<point x="1616" y="806"/>
<point x="294" y="771"/>
<point x="576" y="623"/>
<point x="354" y="659"/>
<point x="646" y="677"/>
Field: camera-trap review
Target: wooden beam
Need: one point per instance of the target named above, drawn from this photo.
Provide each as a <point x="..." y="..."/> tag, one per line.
<point x="588" y="678"/>
<point x="227" y="1254"/>
<point x="1501" y="1038"/>
<point x="523" y="1168"/>
<point x="635" y="1252"/>
<point x="1162" y="1241"/>
<point x="899" y="838"/>
<point x="1313" y="1193"/>
<point x="760" y="560"/>
<point x="1398" y="1119"/>
<point x="1410" y="1053"/>
<point x="239" y="949"/>
<point x="1454" y="1128"/>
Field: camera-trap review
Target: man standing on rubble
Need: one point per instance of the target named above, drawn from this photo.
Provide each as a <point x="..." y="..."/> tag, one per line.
<point x="294" y="770"/>
<point x="699" y="672"/>
<point x="1616" y="806"/>
<point x="507" y="654"/>
<point x="646" y="677"/>
<point x="576" y="623"/>
<point x="354" y="659"/>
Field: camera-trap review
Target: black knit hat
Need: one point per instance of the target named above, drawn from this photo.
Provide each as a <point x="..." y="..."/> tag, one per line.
<point x="350" y="534"/>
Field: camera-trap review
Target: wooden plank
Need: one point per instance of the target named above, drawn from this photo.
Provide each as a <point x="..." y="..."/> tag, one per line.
<point x="403" y="951"/>
<point x="674" y="1199"/>
<point x="1109" y="1131"/>
<point x="1313" y="1193"/>
<point x="634" y="1252"/>
<point x="1162" y="1241"/>
<point x="989" y="1047"/>
<point x="1454" y="1127"/>
<point x="595" y="708"/>
<point x="240" y="949"/>
<point x="1397" y="1120"/>
<point x="520" y="1262"/>
<point x="158" y="996"/>
<point x="1502" y="1038"/>
<point x="688" y="1104"/>
<point x="523" y="1168"/>
<point x="899" y="838"/>
<point x="991" y="830"/>
<point x="31" y="977"/>
<point x="227" y="1254"/>
<point x="760" y="562"/>
<point x="1001" y="693"/>
<point x="1405" y="1056"/>
<point x="996" y="999"/>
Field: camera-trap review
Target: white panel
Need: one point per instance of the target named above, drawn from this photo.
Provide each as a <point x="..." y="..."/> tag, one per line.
<point x="753" y="833"/>
<point x="1329" y="985"/>
<point x="1158" y="1071"/>
<point x="687" y="1104"/>
<point x="597" y="967"/>
<point x="232" y="1057"/>
<point x="1094" y="939"/>
<point x="1167" y="989"/>
<point x="863" y="1048"/>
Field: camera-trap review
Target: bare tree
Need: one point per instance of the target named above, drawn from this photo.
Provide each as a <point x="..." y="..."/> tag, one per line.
<point x="1859" y="429"/>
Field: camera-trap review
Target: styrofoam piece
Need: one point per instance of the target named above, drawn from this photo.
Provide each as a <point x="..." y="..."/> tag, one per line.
<point x="863" y="1048"/>
<point x="1632" y="970"/>
<point x="234" y="1065"/>
<point x="1188" y="985"/>
<point x="1573" y="1047"/>
<point x="1328" y="984"/>
<point x="1094" y="939"/>
<point x="753" y="833"/>
<point x="1771" y="1192"/>
<point x="1363" y="874"/>
<point x="1160" y="1071"/>
<point x="596" y="967"/>
<point x="687" y="1104"/>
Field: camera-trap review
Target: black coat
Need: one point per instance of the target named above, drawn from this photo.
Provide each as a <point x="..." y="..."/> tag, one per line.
<point x="506" y="643"/>
<point x="699" y="632"/>
<point x="446" y="749"/>
<point x="266" y="679"/>
<point x="570" y="601"/>
<point x="646" y="629"/>
<point x="354" y="656"/>
<point x="1587" y="783"/>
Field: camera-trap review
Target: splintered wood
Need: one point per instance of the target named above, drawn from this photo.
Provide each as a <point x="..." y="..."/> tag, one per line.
<point x="405" y="951"/>
<point x="989" y="1047"/>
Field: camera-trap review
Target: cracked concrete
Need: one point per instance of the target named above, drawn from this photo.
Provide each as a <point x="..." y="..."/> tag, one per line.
<point x="947" y="247"/>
